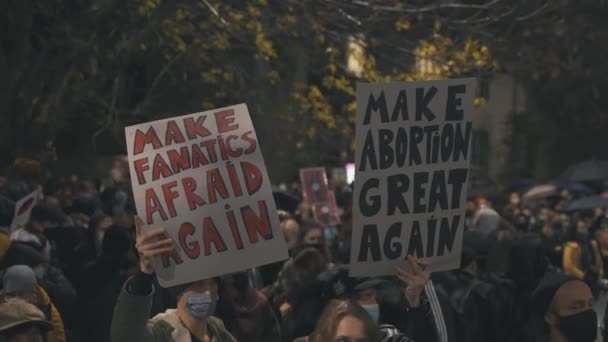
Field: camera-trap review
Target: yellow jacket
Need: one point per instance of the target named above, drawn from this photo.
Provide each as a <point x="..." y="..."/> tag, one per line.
<point x="51" y="313"/>
<point x="572" y="260"/>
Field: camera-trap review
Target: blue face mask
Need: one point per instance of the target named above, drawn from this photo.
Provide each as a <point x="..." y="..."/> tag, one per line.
<point x="373" y="310"/>
<point x="200" y="306"/>
<point x="330" y="233"/>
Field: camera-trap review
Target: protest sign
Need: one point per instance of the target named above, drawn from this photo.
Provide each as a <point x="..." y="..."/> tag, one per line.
<point x="326" y="213"/>
<point x="23" y="210"/>
<point x="314" y="185"/>
<point x="203" y="178"/>
<point x="412" y="160"/>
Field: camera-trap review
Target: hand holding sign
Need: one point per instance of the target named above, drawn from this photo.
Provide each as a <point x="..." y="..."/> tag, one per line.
<point x="151" y="244"/>
<point x="414" y="278"/>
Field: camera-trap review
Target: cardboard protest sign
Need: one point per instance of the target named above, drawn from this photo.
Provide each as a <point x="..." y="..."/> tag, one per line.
<point x="326" y="213"/>
<point x="23" y="210"/>
<point x="315" y="187"/>
<point x="412" y="159"/>
<point x="203" y="178"/>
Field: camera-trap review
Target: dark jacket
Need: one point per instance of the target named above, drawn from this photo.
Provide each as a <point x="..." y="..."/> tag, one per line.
<point x="130" y="323"/>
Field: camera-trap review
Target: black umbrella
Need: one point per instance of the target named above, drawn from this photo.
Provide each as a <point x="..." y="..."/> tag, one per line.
<point x="588" y="203"/>
<point x="590" y="170"/>
<point x="285" y="200"/>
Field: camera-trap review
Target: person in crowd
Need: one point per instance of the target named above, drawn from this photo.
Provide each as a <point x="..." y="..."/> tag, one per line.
<point x="582" y="258"/>
<point x="102" y="281"/>
<point x="19" y="284"/>
<point x="42" y="217"/>
<point x="552" y="245"/>
<point x="191" y="321"/>
<point x="21" y="321"/>
<point x="563" y="311"/>
<point x="344" y="321"/>
<point x="291" y="229"/>
<point x="245" y="311"/>
<point x="486" y="219"/>
<point x="602" y="239"/>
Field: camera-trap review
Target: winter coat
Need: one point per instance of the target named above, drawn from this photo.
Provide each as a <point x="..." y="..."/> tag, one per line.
<point x="130" y="323"/>
<point x="57" y="334"/>
<point x="27" y="237"/>
<point x="572" y="260"/>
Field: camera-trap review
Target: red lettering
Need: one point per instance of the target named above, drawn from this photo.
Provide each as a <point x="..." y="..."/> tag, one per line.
<point x="253" y="177"/>
<point x="234" y="229"/>
<point x="210" y="146"/>
<point x="192" y="249"/>
<point x="170" y="196"/>
<point x="141" y="165"/>
<point x="141" y="140"/>
<point x="196" y="129"/>
<point x="193" y="199"/>
<point x="179" y="161"/>
<point x="173" y="134"/>
<point x="211" y="235"/>
<point x="233" y="153"/>
<point x="257" y="224"/>
<point x="153" y="205"/>
<point x="215" y="184"/>
<point x="160" y="167"/>
<point x="253" y="144"/>
<point x="222" y="146"/>
<point x="224" y="120"/>
<point x="198" y="158"/>
<point x="234" y="180"/>
<point x="165" y="257"/>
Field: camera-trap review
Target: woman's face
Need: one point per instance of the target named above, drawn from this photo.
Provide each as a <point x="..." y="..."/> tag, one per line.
<point x="582" y="227"/>
<point x="351" y="329"/>
<point x="313" y="236"/>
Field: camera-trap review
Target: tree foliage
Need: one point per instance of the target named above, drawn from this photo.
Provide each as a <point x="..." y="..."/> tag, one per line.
<point x="77" y="72"/>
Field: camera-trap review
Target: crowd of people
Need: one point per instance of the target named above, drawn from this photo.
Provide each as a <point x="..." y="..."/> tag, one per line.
<point x="82" y="269"/>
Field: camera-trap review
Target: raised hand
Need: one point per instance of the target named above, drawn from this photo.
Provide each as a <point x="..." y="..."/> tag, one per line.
<point x="151" y="244"/>
<point x="415" y="280"/>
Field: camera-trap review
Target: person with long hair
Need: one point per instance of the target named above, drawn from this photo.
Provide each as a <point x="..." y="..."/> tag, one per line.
<point x="582" y="258"/>
<point x="345" y="321"/>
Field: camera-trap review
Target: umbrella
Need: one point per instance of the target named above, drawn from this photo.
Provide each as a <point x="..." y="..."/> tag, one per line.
<point x="588" y="203"/>
<point x="285" y="200"/>
<point x="574" y="187"/>
<point x="540" y="192"/>
<point x="590" y="170"/>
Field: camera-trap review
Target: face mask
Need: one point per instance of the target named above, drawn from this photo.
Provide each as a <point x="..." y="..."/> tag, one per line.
<point x="200" y="306"/>
<point x="330" y="233"/>
<point x="581" y="327"/>
<point x="373" y="310"/>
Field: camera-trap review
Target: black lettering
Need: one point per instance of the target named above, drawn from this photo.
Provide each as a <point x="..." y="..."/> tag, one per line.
<point x="401" y="147"/>
<point x="454" y="110"/>
<point x="430" y="237"/>
<point x="438" y="193"/>
<point x="397" y="187"/>
<point x="447" y="235"/>
<point x="369" y="153"/>
<point x="457" y="178"/>
<point x="415" y="245"/>
<point x="387" y="155"/>
<point x="376" y="105"/>
<point x="422" y="103"/>
<point x="428" y="132"/>
<point x="416" y="137"/>
<point x="401" y="107"/>
<point x="420" y="180"/>
<point x="447" y="142"/>
<point x="461" y="143"/>
<point x="367" y="208"/>
<point x="392" y="245"/>
<point x="369" y="243"/>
